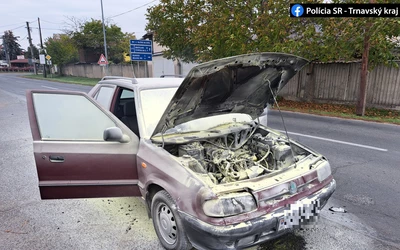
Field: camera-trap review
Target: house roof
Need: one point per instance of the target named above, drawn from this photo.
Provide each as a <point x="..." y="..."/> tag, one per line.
<point x="19" y="61"/>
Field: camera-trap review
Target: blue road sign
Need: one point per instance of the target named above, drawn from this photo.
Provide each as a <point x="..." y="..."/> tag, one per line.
<point x="143" y="42"/>
<point x="141" y="50"/>
<point x="141" y="57"/>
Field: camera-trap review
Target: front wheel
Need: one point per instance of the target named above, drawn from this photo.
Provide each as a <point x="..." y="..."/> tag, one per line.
<point x="167" y="222"/>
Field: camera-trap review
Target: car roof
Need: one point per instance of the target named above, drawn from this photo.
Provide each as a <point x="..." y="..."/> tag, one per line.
<point x="142" y="83"/>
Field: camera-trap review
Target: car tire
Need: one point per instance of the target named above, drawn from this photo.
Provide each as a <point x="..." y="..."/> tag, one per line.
<point x="167" y="223"/>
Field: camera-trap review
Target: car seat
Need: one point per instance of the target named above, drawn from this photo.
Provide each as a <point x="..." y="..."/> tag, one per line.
<point x="130" y="118"/>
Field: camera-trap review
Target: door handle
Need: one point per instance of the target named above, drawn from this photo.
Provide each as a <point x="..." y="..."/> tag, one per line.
<point x="57" y="158"/>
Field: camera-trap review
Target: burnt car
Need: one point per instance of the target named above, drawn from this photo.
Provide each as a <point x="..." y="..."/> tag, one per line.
<point x="210" y="175"/>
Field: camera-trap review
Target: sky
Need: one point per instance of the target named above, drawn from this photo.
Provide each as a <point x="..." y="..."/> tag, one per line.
<point x="54" y="16"/>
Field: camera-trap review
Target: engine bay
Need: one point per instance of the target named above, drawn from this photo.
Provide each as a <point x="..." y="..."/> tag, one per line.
<point x="245" y="154"/>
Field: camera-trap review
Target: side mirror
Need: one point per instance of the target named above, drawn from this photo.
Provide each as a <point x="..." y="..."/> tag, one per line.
<point x="115" y="134"/>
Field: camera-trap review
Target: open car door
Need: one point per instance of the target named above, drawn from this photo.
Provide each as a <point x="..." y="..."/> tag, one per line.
<point x="81" y="150"/>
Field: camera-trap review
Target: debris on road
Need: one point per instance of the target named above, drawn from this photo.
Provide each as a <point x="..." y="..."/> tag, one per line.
<point x="338" y="209"/>
<point x="20" y="230"/>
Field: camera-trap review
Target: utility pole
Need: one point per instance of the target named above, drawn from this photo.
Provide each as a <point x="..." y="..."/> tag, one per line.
<point x="6" y="52"/>
<point x="41" y="46"/>
<point x="104" y="34"/>
<point x="31" y="46"/>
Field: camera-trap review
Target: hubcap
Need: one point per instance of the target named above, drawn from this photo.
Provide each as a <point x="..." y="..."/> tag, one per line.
<point x="166" y="223"/>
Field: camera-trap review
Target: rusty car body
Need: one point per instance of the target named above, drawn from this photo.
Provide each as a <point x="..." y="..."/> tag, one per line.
<point x="210" y="175"/>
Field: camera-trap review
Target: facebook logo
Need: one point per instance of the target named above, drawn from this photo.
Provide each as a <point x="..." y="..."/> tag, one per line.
<point x="297" y="10"/>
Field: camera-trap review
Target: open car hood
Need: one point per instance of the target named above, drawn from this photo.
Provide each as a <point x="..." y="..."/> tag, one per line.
<point x="238" y="84"/>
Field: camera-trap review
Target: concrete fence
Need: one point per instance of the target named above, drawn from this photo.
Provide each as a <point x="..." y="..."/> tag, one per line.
<point x="96" y="71"/>
<point x="339" y="83"/>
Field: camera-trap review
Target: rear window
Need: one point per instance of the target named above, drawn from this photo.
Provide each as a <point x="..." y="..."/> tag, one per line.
<point x="104" y="96"/>
<point x="126" y="94"/>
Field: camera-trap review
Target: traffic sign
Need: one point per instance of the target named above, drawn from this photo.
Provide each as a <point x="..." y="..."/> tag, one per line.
<point x="102" y="60"/>
<point x="42" y="59"/>
<point x="141" y="57"/>
<point x="143" y="42"/>
<point x="141" y="50"/>
<point x="48" y="57"/>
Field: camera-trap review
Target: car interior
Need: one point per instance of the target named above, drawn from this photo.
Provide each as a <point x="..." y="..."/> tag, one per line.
<point x="125" y="110"/>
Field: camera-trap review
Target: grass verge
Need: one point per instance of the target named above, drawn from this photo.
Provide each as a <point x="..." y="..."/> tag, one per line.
<point x="340" y="110"/>
<point x="66" y="79"/>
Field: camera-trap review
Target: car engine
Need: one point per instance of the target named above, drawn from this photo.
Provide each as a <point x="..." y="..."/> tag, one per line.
<point x="238" y="156"/>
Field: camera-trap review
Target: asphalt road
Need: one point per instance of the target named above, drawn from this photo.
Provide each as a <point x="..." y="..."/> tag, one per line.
<point x="365" y="160"/>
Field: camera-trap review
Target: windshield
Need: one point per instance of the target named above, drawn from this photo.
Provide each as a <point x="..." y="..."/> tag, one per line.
<point x="210" y="122"/>
<point x="154" y="102"/>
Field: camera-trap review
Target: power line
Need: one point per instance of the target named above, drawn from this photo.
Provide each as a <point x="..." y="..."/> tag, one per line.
<point x="47" y="28"/>
<point x="50" y="22"/>
<point x="18" y="26"/>
<point x="11" y="24"/>
<point x="22" y="26"/>
<point x="123" y="13"/>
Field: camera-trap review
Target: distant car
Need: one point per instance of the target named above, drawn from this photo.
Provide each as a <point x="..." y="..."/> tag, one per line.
<point x="209" y="174"/>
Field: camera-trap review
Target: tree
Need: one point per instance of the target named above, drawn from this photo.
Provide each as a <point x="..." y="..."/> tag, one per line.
<point x="371" y="39"/>
<point x="200" y="30"/>
<point x="347" y="35"/>
<point x="11" y="45"/>
<point x="174" y="24"/>
<point x="62" y="50"/>
<point x="125" y="44"/>
<point x="28" y="54"/>
<point x="2" y="53"/>
<point x="89" y="34"/>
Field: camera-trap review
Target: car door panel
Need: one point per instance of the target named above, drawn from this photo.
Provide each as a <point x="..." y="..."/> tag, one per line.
<point x="76" y="168"/>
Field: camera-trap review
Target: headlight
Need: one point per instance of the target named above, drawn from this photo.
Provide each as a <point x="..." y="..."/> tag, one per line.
<point x="323" y="171"/>
<point x="231" y="204"/>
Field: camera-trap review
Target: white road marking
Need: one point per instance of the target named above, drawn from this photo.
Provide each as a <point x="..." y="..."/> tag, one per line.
<point x="336" y="141"/>
<point x="47" y="87"/>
